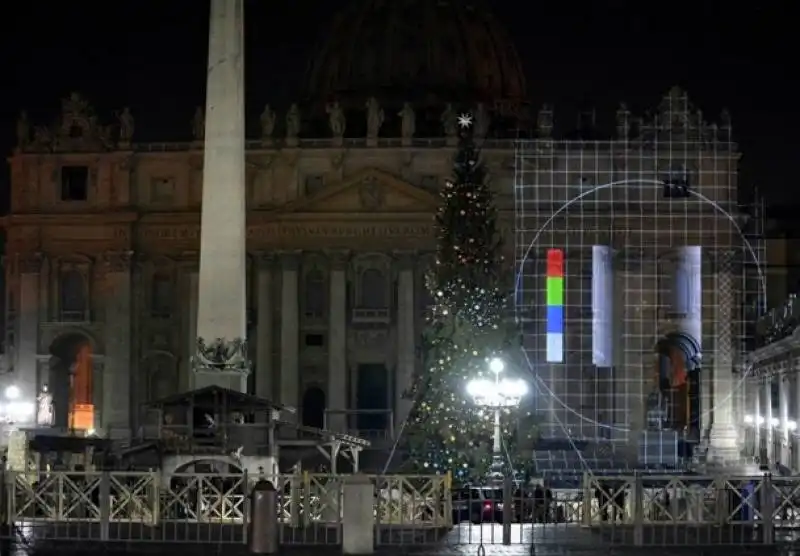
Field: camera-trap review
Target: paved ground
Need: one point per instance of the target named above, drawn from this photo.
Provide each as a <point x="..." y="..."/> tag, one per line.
<point x="474" y="540"/>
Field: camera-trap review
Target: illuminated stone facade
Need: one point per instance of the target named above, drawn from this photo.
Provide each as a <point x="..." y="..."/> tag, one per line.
<point x="104" y="233"/>
<point x="338" y="241"/>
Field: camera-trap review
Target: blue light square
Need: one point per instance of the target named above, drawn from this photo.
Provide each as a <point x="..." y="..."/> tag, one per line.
<point x="555" y="320"/>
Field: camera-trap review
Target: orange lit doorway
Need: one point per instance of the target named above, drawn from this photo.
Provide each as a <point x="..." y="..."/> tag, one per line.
<point x="71" y="382"/>
<point x="81" y="407"/>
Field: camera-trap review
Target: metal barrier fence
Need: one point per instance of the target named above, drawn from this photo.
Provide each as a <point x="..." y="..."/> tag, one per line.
<point x="147" y="507"/>
<point x="629" y="510"/>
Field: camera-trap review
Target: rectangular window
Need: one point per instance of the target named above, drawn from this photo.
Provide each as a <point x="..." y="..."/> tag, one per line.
<point x="74" y="183"/>
<point x="315" y="340"/>
<point x="314" y="184"/>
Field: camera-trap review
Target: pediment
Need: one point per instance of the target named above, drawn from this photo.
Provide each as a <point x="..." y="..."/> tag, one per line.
<point x="371" y="191"/>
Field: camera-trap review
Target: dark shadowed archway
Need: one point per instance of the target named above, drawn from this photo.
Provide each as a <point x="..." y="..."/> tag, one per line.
<point x="678" y="358"/>
<point x="314" y="407"/>
<point x="71" y="381"/>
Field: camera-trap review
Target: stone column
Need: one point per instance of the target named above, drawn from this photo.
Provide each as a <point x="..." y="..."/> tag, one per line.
<point x="406" y="338"/>
<point x="794" y="409"/>
<point x="766" y="393"/>
<point x="337" y="342"/>
<point x="687" y="291"/>
<point x="723" y="438"/>
<point x="754" y="391"/>
<point x="265" y="375"/>
<point x="117" y="386"/>
<point x="290" y="330"/>
<point x="45" y="290"/>
<point x="634" y="354"/>
<point x="602" y="306"/>
<point x="783" y="415"/>
<point x="222" y="358"/>
<point x="137" y="368"/>
<point x="796" y="418"/>
<point x="27" y="340"/>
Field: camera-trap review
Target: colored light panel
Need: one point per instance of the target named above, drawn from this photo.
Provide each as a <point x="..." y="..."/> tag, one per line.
<point x="555" y="305"/>
<point x="555" y="292"/>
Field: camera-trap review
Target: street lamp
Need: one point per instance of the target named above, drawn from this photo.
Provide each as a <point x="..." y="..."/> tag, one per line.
<point x="497" y="394"/>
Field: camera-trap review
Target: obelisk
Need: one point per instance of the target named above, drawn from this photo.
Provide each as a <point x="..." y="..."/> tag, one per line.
<point x="221" y="357"/>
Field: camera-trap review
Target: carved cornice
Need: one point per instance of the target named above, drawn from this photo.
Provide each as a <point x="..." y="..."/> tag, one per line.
<point x="117" y="261"/>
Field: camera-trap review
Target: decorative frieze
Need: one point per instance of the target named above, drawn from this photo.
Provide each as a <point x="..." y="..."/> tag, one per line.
<point x="299" y="231"/>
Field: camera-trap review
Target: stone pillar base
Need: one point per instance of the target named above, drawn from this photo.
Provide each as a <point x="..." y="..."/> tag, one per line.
<point x="723" y="449"/>
<point x="358" y="521"/>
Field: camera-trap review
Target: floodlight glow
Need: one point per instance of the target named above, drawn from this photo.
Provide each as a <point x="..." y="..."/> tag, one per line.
<point x="749" y="419"/>
<point x="503" y="393"/>
<point x="17" y="411"/>
<point x="513" y="388"/>
<point x="12" y="392"/>
<point x="479" y="387"/>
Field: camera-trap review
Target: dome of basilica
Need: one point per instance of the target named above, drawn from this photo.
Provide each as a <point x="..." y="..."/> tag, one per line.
<point x="426" y="51"/>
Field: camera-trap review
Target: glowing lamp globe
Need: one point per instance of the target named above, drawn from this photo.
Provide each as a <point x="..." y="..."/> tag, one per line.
<point x="497" y="365"/>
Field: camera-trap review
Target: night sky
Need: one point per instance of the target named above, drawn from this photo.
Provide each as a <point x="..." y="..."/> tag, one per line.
<point x="150" y="55"/>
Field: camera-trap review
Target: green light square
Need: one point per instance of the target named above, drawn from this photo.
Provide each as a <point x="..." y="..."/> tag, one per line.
<point x="555" y="292"/>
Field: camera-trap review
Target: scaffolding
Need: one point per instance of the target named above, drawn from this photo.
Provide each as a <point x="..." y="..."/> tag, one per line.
<point x="656" y="274"/>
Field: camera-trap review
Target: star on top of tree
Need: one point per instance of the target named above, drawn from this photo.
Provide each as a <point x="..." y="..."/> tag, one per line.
<point x="465" y="120"/>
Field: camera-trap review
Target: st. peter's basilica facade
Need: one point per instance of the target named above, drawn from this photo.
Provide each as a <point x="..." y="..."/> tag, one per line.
<point x="103" y="232"/>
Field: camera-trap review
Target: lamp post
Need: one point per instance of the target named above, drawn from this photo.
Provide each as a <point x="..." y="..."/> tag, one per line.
<point x="497" y="394"/>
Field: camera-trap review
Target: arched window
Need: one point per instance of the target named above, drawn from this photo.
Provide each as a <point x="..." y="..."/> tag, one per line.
<point x="372" y="294"/>
<point x="161" y="296"/>
<point x="73" y="298"/>
<point x="314" y="294"/>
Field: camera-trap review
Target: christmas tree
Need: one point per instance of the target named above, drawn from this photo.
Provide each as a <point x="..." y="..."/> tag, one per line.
<point x="467" y="327"/>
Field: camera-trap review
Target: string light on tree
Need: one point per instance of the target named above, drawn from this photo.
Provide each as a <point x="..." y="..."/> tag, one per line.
<point x="466" y="327"/>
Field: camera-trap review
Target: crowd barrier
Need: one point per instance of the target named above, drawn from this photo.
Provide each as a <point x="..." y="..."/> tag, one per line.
<point x="625" y="510"/>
